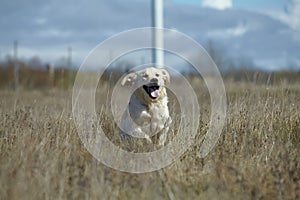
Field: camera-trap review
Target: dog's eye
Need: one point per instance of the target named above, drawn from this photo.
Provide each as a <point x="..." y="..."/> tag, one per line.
<point x="145" y="76"/>
<point x="157" y="75"/>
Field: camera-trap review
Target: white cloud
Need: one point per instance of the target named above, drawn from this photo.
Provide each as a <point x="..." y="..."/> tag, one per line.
<point x="236" y="31"/>
<point x="40" y="21"/>
<point x="53" y="32"/>
<point x="217" y="4"/>
<point x="293" y="12"/>
<point x="291" y="16"/>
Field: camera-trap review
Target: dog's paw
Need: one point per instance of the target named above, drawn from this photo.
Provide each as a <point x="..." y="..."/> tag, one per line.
<point x="145" y="115"/>
<point x="148" y="139"/>
<point x="169" y="122"/>
<point x="162" y="139"/>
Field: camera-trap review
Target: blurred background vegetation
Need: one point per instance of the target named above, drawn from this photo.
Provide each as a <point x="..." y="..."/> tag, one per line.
<point x="35" y="74"/>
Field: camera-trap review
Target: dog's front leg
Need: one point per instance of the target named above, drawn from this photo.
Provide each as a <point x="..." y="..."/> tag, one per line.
<point x="163" y="137"/>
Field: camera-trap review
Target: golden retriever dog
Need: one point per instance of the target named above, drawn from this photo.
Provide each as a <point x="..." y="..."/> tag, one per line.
<point x="147" y="114"/>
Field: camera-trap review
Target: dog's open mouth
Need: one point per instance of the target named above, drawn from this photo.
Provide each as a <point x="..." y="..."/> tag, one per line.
<point x="152" y="90"/>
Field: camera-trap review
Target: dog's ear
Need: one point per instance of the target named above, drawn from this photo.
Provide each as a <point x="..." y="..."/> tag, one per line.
<point x="129" y="79"/>
<point x="166" y="75"/>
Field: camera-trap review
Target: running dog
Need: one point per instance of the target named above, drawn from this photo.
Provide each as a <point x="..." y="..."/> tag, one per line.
<point x="147" y="114"/>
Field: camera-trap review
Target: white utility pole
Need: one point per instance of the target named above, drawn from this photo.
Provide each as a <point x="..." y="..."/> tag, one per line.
<point x="157" y="35"/>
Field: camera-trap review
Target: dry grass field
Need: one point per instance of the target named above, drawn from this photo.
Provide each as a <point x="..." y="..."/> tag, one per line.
<point x="256" y="157"/>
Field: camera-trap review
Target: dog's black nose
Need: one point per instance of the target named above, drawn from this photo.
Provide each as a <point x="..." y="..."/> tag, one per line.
<point x="154" y="80"/>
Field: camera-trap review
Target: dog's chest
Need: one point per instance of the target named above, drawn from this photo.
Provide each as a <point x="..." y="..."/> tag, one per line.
<point x="157" y="113"/>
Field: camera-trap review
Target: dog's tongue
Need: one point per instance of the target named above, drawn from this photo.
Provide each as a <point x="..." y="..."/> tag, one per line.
<point x="154" y="93"/>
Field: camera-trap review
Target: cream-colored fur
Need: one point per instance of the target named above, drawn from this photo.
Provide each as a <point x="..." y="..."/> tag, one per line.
<point x="147" y="115"/>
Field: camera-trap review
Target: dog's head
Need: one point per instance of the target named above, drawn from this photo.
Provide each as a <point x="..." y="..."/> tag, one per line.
<point x="152" y="81"/>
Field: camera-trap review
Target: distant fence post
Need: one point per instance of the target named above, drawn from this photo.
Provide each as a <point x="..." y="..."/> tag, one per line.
<point x="51" y="75"/>
<point x="16" y="67"/>
<point x="70" y="79"/>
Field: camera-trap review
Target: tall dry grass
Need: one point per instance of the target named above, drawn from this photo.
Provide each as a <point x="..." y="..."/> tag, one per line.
<point x="256" y="157"/>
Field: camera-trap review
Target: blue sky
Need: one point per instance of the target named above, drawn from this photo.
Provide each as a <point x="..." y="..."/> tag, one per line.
<point x="266" y="32"/>
<point x="259" y="4"/>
